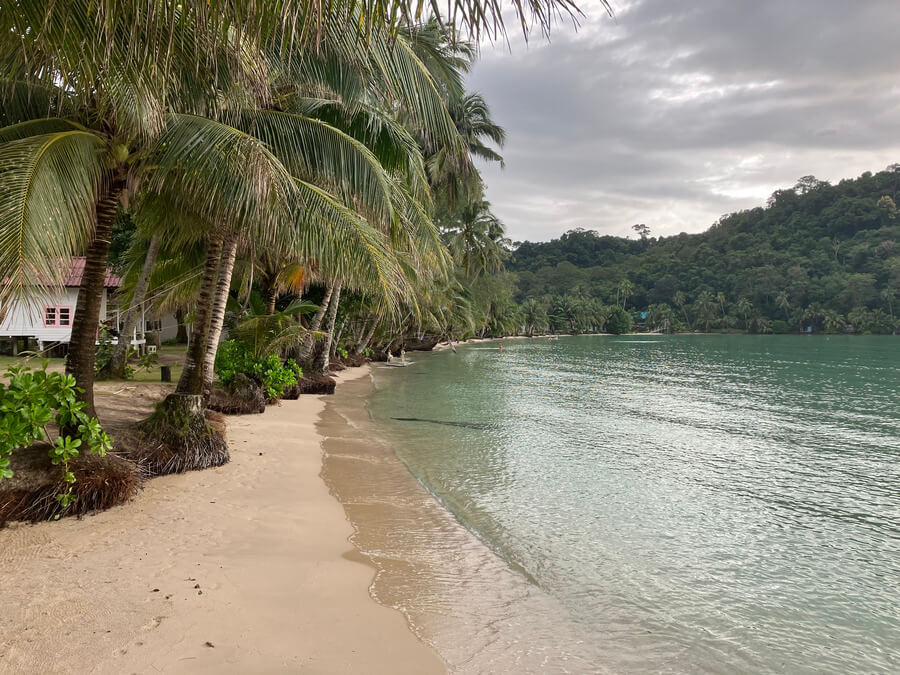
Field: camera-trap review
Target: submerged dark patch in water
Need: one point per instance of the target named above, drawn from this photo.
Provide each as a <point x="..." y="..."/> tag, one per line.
<point x="469" y="425"/>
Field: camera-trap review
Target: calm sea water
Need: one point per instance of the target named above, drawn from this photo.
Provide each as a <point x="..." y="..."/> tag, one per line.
<point x="661" y="503"/>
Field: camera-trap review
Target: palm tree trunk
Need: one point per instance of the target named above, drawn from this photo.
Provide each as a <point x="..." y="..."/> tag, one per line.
<point x="191" y="381"/>
<point x="337" y="338"/>
<point x="316" y="323"/>
<point x="223" y="285"/>
<point x="364" y="343"/>
<point x="119" y="358"/>
<point x="271" y="297"/>
<point x="181" y="337"/>
<point x="321" y="363"/>
<point x="177" y="436"/>
<point x="82" y="345"/>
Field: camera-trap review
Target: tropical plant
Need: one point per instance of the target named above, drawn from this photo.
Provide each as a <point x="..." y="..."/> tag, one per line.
<point x="31" y="402"/>
<point x="235" y="357"/>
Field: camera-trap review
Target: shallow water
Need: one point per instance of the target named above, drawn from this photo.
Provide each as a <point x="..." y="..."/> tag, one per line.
<point x="672" y="504"/>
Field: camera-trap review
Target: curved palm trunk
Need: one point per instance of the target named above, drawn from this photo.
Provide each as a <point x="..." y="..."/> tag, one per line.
<point x="364" y="343"/>
<point x="182" y="336"/>
<point x="271" y="297"/>
<point x="120" y="356"/>
<point x="306" y="348"/>
<point x="177" y="437"/>
<point x="223" y="285"/>
<point x="337" y="338"/>
<point x="82" y="345"/>
<point x="191" y="381"/>
<point x="322" y="360"/>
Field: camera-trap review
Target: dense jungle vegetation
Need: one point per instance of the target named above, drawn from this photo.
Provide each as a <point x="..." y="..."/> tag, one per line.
<point x="817" y="257"/>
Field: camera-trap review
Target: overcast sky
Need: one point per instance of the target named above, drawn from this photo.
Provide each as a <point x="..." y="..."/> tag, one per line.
<point x="678" y="111"/>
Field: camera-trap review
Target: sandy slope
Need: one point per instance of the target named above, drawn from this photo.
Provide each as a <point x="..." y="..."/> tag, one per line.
<point x="241" y="569"/>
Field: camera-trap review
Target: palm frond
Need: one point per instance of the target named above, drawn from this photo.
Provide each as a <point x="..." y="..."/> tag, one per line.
<point x="50" y="183"/>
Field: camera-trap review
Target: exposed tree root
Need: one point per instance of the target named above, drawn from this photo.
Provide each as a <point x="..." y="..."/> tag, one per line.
<point x="310" y="384"/>
<point x="180" y="436"/>
<point x="242" y="396"/>
<point x="100" y="483"/>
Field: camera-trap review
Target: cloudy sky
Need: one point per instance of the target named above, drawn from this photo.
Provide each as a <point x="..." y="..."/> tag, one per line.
<point x="678" y="111"/>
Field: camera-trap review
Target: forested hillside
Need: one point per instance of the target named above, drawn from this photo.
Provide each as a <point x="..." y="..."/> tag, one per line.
<point x="818" y="255"/>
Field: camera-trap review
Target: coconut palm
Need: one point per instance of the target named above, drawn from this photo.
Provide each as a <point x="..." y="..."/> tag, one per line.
<point x="476" y="239"/>
<point x="680" y="301"/>
<point x="744" y="310"/>
<point x="704" y="307"/>
<point x="784" y="304"/>
<point x="534" y="316"/>
<point x="624" y="290"/>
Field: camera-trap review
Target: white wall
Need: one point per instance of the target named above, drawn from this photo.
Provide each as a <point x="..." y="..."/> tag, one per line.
<point x="27" y="319"/>
<point x="169" y="327"/>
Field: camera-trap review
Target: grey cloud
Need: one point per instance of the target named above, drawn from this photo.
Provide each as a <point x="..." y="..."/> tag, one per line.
<point x="679" y="111"/>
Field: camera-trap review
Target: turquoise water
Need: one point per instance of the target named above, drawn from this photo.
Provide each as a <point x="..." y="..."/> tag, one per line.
<point x="681" y="503"/>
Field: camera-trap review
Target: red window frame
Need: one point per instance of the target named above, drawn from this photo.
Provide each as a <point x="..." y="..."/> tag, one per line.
<point x="57" y="320"/>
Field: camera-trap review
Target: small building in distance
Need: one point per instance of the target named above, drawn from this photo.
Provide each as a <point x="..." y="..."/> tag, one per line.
<point x="46" y="322"/>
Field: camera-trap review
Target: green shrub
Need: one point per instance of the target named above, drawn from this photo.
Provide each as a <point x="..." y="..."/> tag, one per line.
<point x="275" y="377"/>
<point x="30" y="403"/>
<point x="619" y="321"/>
<point x="343" y="353"/>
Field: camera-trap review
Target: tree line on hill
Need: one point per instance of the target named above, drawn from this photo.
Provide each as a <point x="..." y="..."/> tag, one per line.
<point x="816" y="258"/>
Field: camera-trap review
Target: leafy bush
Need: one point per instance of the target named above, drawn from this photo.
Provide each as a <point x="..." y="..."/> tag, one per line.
<point x="619" y="321"/>
<point x="343" y="353"/>
<point x="275" y="377"/>
<point x="29" y="404"/>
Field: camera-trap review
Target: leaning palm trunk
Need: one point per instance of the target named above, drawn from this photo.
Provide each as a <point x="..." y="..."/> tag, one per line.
<point x="82" y="346"/>
<point x="119" y="360"/>
<point x="305" y="350"/>
<point x="177" y="436"/>
<point x="223" y="286"/>
<point x="271" y="297"/>
<point x="322" y="360"/>
<point x="182" y="336"/>
<point x="364" y="343"/>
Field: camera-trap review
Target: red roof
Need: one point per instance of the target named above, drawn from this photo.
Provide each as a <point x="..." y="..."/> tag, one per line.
<point x="72" y="276"/>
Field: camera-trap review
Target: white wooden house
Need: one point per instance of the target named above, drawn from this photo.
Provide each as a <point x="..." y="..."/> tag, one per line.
<point x="48" y="320"/>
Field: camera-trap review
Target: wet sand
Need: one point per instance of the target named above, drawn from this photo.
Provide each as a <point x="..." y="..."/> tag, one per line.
<point x="243" y="568"/>
<point x="458" y="595"/>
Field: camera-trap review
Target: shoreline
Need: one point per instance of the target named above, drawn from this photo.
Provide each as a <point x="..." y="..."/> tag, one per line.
<point x="459" y="595"/>
<point x="243" y="568"/>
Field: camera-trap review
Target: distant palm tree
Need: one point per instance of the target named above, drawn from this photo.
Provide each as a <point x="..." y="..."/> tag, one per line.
<point x="745" y="311"/>
<point x="476" y="239"/>
<point x="720" y="298"/>
<point x="784" y="304"/>
<point x="681" y="301"/>
<point x="705" y="306"/>
<point x="625" y="290"/>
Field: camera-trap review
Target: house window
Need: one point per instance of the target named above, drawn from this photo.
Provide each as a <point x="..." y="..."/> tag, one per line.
<point x="57" y="317"/>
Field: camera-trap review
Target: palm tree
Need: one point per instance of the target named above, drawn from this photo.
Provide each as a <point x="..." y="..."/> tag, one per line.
<point x="784" y="304"/>
<point x="833" y="321"/>
<point x="476" y="239"/>
<point x="705" y="307"/>
<point x="745" y="310"/>
<point x="721" y="300"/>
<point x="534" y="316"/>
<point x="625" y="289"/>
<point x="681" y="302"/>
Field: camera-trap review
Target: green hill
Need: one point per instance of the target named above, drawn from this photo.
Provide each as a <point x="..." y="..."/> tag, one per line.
<point x="818" y="255"/>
